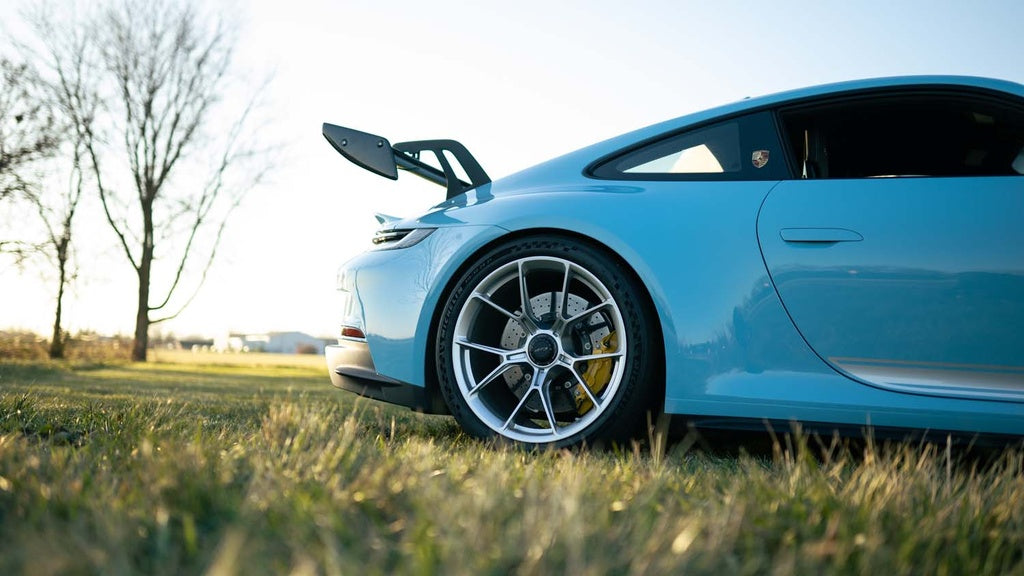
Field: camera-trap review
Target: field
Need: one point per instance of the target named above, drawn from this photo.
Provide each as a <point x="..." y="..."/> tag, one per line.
<point x="254" y="464"/>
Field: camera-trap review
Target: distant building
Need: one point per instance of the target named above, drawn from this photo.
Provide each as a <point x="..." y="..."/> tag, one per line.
<point x="194" y="343"/>
<point x="272" y="342"/>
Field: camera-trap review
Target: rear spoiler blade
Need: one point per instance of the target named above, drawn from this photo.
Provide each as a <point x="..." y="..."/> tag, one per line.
<point x="376" y="154"/>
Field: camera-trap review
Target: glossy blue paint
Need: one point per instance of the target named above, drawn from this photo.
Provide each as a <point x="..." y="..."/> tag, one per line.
<point x="798" y="396"/>
<point x="933" y="295"/>
<point x="887" y="302"/>
<point x="398" y="290"/>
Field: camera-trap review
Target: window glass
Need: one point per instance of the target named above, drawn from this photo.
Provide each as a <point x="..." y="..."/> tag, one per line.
<point x="710" y="151"/>
<point x="906" y="136"/>
<point x="744" y="148"/>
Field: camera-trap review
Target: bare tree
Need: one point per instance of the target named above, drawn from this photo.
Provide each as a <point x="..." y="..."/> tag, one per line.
<point x="68" y="59"/>
<point x="163" y="68"/>
<point x="31" y="133"/>
<point x="58" y="218"/>
<point x="28" y="130"/>
<point x="75" y="97"/>
<point x="28" y="134"/>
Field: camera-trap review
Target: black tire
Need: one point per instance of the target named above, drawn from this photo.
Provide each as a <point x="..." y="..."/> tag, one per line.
<point x="578" y="365"/>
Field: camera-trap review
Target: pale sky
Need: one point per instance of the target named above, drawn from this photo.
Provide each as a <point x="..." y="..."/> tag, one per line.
<point x="517" y="83"/>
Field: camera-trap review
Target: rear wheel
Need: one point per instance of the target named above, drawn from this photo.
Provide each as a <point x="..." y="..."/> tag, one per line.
<point x="545" y="342"/>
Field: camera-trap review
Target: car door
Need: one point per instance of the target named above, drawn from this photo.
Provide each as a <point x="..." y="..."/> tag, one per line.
<point x="898" y="252"/>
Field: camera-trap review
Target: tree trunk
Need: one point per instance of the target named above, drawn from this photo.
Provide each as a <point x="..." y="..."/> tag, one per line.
<point x="141" y="343"/>
<point x="57" y="341"/>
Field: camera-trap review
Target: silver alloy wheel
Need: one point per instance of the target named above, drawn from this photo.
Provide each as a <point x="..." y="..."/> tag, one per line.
<point x="539" y="349"/>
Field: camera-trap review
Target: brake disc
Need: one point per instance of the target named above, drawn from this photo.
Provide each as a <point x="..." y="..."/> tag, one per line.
<point x="589" y="336"/>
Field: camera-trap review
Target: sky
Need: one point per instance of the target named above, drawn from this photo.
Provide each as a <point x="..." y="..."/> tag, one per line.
<point x="517" y="83"/>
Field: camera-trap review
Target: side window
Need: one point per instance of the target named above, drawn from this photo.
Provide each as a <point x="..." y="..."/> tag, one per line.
<point x="907" y="136"/>
<point x="709" y="151"/>
<point x="745" y="148"/>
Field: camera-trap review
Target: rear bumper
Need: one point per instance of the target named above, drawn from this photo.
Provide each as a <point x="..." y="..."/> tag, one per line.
<point x="351" y="368"/>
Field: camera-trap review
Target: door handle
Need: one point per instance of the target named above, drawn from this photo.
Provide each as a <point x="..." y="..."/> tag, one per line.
<point x="819" y="235"/>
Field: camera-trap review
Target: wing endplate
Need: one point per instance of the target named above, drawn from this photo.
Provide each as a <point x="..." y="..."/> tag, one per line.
<point x="369" y="151"/>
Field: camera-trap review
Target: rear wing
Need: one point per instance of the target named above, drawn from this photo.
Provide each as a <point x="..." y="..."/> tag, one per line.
<point x="376" y="154"/>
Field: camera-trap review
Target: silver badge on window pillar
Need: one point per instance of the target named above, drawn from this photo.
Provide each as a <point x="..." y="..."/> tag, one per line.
<point x="759" y="158"/>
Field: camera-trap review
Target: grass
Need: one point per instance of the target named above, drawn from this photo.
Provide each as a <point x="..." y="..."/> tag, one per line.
<point x="208" y="464"/>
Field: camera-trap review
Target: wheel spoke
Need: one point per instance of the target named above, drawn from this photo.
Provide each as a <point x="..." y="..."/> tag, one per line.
<point x="536" y="386"/>
<point x="524" y="296"/>
<point x="483" y="348"/>
<point x="507" y="356"/>
<point x="486" y="300"/>
<point x="564" y="302"/>
<point x="545" y="400"/>
<point x="515" y="411"/>
<point x="577" y="359"/>
<point x="501" y="369"/>
<point x="515" y="356"/>
<point x="589" y="311"/>
<point x="586" y="389"/>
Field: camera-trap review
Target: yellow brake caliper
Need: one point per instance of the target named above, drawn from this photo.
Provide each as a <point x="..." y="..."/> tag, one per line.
<point x="597" y="375"/>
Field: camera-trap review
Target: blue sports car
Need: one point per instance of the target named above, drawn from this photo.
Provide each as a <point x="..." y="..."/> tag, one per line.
<point x="842" y="255"/>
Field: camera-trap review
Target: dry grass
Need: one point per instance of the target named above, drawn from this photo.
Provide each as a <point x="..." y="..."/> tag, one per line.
<point x="237" y="359"/>
<point x="26" y="346"/>
<point x="169" y="468"/>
